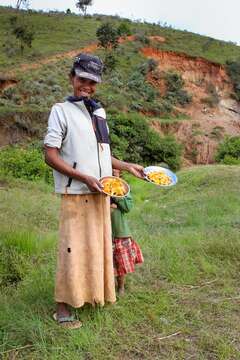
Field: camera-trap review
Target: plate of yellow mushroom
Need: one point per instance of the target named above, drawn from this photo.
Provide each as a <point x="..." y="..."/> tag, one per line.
<point x="114" y="186"/>
<point x="160" y="176"/>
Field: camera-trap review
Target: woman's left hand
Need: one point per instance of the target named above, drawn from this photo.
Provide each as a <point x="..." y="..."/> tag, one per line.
<point x="136" y="170"/>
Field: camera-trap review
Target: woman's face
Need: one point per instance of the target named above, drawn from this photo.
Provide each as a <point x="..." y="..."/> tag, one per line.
<point x="83" y="87"/>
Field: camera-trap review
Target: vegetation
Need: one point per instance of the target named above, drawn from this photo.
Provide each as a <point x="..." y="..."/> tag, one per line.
<point x="107" y="36"/>
<point x="125" y="85"/>
<point x="229" y="151"/>
<point x="179" y="304"/>
<point x="83" y="5"/>
<point x="213" y="99"/>
<point x="19" y="36"/>
<point x="69" y="31"/>
<point x="175" y="93"/>
<point x="124" y="29"/>
<point x="233" y="68"/>
<point x="26" y="163"/>
<point x="187" y="286"/>
<point x="134" y="141"/>
<point x="23" y="3"/>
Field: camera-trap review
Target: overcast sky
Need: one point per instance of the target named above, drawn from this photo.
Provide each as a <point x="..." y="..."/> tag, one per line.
<point x="215" y="18"/>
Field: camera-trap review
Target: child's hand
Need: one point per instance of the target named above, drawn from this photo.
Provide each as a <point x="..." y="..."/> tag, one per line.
<point x="113" y="206"/>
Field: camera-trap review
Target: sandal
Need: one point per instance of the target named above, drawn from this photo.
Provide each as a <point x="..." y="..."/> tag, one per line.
<point x="68" y="322"/>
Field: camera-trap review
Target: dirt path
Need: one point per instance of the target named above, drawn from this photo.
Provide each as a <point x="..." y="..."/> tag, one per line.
<point x="9" y="79"/>
<point x="68" y="54"/>
<point x="54" y="58"/>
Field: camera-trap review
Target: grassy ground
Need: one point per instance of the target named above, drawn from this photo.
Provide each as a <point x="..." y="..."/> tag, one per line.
<point x="188" y="285"/>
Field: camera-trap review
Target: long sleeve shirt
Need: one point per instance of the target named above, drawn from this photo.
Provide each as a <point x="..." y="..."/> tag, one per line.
<point x="119" y="223"/>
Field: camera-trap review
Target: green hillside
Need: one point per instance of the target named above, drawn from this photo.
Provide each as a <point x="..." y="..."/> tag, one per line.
<point x="58" y="32"/>
<point x="188" y="285"/>
<point x="54" y="33"/>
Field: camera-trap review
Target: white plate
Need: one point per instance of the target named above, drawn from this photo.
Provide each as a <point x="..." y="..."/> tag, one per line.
<point x="168" y="172"/>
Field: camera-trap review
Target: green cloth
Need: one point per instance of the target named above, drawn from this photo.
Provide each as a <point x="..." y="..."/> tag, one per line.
<point x="119" y="223"/>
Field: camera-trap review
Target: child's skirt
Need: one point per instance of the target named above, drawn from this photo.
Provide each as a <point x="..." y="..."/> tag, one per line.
<point x="126" y="253"/>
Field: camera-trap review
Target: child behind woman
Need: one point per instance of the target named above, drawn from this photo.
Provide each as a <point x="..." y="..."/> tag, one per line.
<point x="126" y="252"/>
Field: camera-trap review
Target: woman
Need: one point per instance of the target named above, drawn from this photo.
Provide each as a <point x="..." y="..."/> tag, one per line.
<point x="77" y="148"/>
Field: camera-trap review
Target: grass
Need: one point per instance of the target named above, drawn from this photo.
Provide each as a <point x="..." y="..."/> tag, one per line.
<point x="65" y="32"/>
<point x="37" y="89"/>
<point x="54" y="33"/>
<point x="188" y="284"/>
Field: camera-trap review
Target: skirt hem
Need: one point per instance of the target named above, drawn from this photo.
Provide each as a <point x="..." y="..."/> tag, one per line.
<point x="81" y="304"/>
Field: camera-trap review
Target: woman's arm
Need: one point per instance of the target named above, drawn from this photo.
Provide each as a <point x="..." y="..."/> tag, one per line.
<point x="53" y="159"/>
<point x="134" y="169"/>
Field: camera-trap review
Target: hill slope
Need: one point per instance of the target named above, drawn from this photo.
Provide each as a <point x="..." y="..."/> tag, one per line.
<point x="30" y="83"/>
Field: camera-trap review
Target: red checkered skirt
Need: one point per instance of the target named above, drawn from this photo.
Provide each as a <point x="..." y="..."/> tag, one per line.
<point x="126" y="253"/>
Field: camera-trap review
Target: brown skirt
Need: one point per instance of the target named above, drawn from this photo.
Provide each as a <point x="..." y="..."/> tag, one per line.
<point x="85" y="262"/>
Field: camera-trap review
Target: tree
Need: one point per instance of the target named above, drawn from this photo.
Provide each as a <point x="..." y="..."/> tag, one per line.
<point x="124" y="29"/>
<point x="83" y="4"/>
<point x="21" y="31"/>
<point x="25" y="3"/>
<point x="107" y="36"/>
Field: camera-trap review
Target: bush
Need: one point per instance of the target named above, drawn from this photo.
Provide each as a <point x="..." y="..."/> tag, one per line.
<point x="107" y="36"/>
<point x="26" y="163"/>
<point x="175" y="94"/>
<point x="123" y="29"/>
<point x="9" y="93"/>
<point x="233" y="69"/>
<point x="213" y="99"/>
<point x="110" y="62"/>
<point x="230" y="160"/>
<point x="138" y="84"/>
<point x="142" y="38"/>
<point x="133" y="140"/>
<point x="229" y="151"/>
<point x="22" y="31"/>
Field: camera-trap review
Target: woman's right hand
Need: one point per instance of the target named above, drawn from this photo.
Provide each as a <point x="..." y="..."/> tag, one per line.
<point x="92" y="183"/>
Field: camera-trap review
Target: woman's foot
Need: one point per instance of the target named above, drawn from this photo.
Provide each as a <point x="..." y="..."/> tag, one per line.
<point x="63" y="310"/>
<point x="64" y="318"/>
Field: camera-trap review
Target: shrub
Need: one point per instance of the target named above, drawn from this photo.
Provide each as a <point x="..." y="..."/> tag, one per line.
<point x="230" y="160"/>
<point x="110" y="62"/>
<point x="124" y="29"/>
<point x="142" y="38"/>
<point x="107" y="36"/>
<point x="22" y="31"/>
<point x="175" y="94"/>
<point x="138" y="84"/>
<point x="115" y="81"/>
<point x="228" y="151"/>
<point x="26" y="163"/>
<point x="133" y="140"/>
<point x="233" y="69"/>
<point x="213" y="99"/>
<point x="9" y="93"/>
